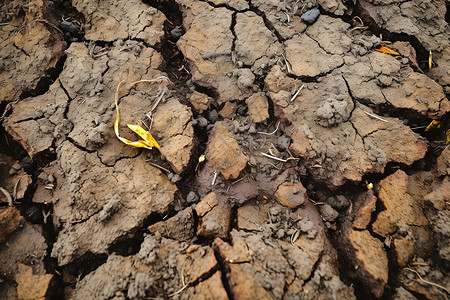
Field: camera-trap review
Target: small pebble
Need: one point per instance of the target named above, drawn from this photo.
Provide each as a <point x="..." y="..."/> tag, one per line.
<point x="311" y="16"/>
<point x="213" y="116"/>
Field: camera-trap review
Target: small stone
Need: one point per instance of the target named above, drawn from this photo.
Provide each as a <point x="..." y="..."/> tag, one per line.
<point x="69" y="27"/>
<point x="283" y="143"/>
<point x="339" y="202"/>
<point x="291" y="195"/>
<point x="242" y="110"/>
<point x="177" y="32"/>
<point x="328" y="212"/>
<point x="192" y="197"/>
<point x="311" y="16"/>
<point x="213" y="116"/>
<point x="201" y="121"/>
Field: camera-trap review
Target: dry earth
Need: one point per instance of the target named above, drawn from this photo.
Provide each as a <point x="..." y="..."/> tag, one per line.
<point x="321" y="179"/>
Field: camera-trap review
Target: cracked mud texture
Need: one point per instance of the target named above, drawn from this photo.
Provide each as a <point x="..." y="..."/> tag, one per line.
<point x="320" y="180"/>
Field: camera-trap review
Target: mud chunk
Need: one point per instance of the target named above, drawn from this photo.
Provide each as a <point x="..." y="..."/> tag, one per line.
<point x="363" y="208"/>
<point x="32" y="121"/>
<point x="307" y="58"/>
<point x="400" y="206"/>
<point x="291" y="195"/>
<point x="236" y="4"/>
<point x="112" y="20"/>
<point x="328" y="213"/>
<point x="79" y="196"/>
<point x="245" y="78"/>
<point x="311" y="16"/>
<point x="10" y="221"/>
<point x="200" y="102"/>
<point x="228" y="110"/>
<point x="174" y="127"/>
<point x="300" y="143"/>
<point x="214" y="216"/>
<point x="282" y="13"/>
<point x="180" y="227"/>
<point x="31" y="286"/>
<point x="223" y="152"/>
<point x="443" y="162"/>
<point x="428" y="97"/>
<point x="331" y="35"/>
<point x="110" y="208"/>
<point x="441" y="195"/>
<point x="258" y="107"/>
<point x="256" y="45"/>
<point x="27" y="54"/>
<point x="325" y="275"/>
<point x="203" y="39"/>
<point x="371" y="258"/>
<point x="139" y="277"/>
<point x="211" y="288"/>
<point x="333" y="6"/>
<point x="25" y="246"/>
<point x="332" y="112"/>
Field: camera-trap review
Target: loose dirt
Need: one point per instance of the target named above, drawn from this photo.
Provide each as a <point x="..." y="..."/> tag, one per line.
<point x="295" y="160"/>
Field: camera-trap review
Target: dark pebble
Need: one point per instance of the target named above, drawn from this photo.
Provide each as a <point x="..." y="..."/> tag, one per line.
<point x="69" y="27"/>
<point x="283" y="143"/>
<point x="213" y="116"/>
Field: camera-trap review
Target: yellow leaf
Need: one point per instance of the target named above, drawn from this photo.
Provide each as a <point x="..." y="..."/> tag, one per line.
<point x="149" y="142"/>
<point x="448" y="137"/>
<point x="433" y="125"/>
<point x="148" y="138"/>
<point x="201" y="158"/>
<point x="387" y="50"/>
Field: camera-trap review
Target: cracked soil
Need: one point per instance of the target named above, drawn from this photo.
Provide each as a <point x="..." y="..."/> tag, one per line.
<point x="295" y="160"/>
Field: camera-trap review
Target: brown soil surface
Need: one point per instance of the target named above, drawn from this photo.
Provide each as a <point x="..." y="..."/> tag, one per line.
<point x="295" y="161"/>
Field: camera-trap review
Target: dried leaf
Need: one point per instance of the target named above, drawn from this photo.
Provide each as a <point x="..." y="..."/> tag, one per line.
<point x="148" y="138"/>
<point x="387" y="50"/>
<point x="433" y="125"/>
<point x="448" y="137"/>
<point x="148" y="141"/>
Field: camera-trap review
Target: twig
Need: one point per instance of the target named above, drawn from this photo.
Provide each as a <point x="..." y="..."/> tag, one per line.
<point x="15" y="190"/>
<point x="214" y="179"/>
<point x="182" y="288"/>
<point x="273" y="157"/>
<point x="278" y="124"/>
<point x="239" y="180"/>
<point x="428" y="282"/>
<point x="159" y="167"/>
<point x="296" y="94"/>
<point x="288" y="65"/>
<point x="8" y="196"/>
<point x="376" y="117"/>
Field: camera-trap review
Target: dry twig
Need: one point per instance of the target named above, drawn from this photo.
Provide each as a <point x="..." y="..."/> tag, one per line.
<point x="428" y="282"/>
